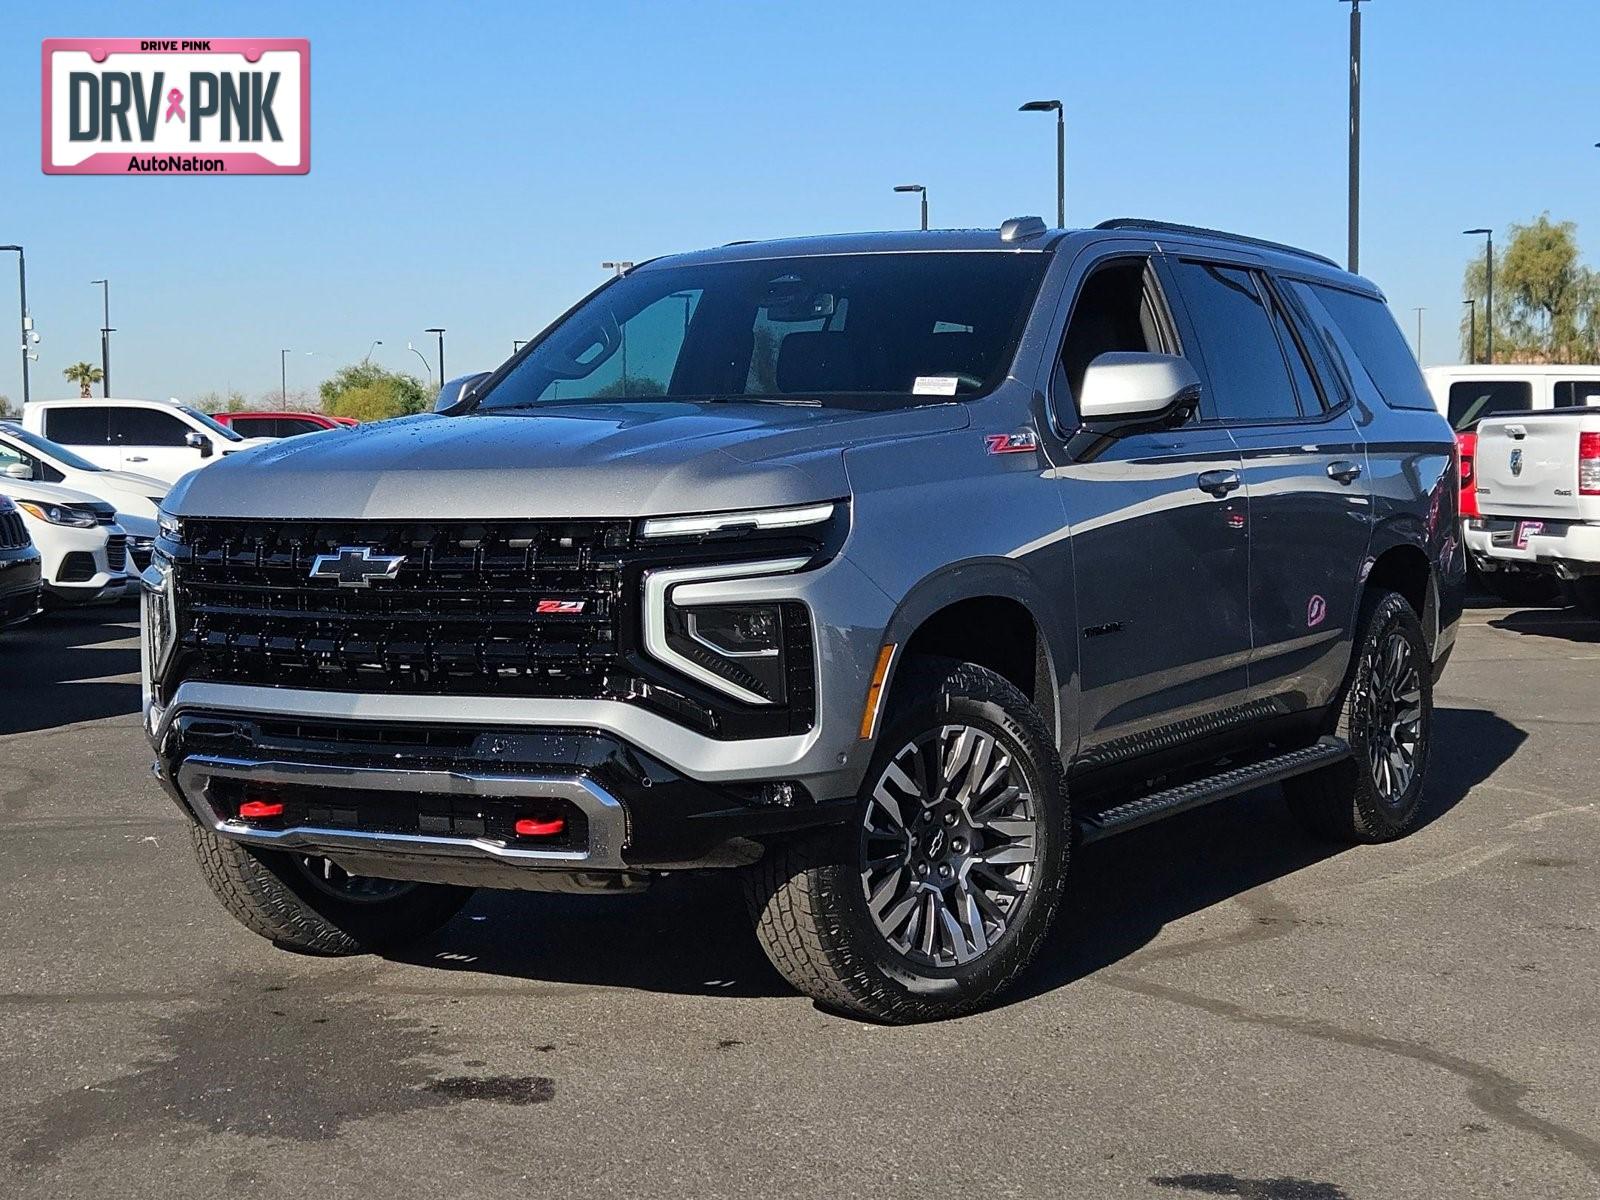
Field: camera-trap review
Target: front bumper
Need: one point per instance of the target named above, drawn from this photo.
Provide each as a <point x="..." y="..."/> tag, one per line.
<point x="439" y="804"/>
<point x="19" y="585"/>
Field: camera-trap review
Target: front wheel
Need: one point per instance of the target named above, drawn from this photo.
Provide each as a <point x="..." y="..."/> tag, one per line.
<point x="1386" y="716"/>
<point x="940" y="892"/>
<point x="310" y="904"/>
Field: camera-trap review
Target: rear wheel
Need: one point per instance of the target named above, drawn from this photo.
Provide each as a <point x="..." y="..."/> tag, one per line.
<point x="1585" y="594"/>
<point x="1386" y="716"/>
<point x="939" y="894"/>
<point x="311" y="904"/>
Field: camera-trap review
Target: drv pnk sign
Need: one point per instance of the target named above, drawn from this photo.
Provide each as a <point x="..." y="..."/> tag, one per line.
<point x="169" y="106"/>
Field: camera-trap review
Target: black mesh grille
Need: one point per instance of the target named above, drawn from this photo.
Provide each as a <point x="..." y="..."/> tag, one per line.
<point x="13" y="532"/>
<point x="521" y="608"/>
<point x="117" y="552"/>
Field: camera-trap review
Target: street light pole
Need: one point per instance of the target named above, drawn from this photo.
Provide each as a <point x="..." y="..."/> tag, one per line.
<point x="1355" y="132"/>
<point x="375" y="344"/>
<point x="1472" y="329"/>
<point x="105" y="335"/>
<point x="426" y="368"/>
<point x="1488" y="281"/>
<point x="920" y="191"/>
<point x="283" y="378"/>
<point x="440" y="333"/>
<point x="1061" y="152"/>
<point x="22" y="289"/>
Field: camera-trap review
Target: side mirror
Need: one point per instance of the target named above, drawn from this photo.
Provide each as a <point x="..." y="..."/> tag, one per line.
<point x="1125" y="392"/>
<point x="19" y="470"/>
<point x="198" y="441"/>
<point x="457" y="391"/>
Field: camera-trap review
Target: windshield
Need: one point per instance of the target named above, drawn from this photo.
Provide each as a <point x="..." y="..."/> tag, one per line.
<point x="856" y="330"/>
<point x="46" y="447"/>
<point x="216" y="427"/>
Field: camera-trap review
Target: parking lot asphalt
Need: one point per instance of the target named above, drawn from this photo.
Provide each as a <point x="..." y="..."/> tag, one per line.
<point x="1229" y="1008"/>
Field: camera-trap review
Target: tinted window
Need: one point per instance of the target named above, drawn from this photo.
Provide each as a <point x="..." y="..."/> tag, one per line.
<point x="852" y="329"/>
<point x="255" y="426"/>
<point x="1577" y="393"/>
<point x="1471" y="402"/>
<point x="146" y="427"/>
<point x="1248" y="378"/>
<point x="77" y="426"/>
<point x="1380" y="348"/>
<point x="1305" y="385"/>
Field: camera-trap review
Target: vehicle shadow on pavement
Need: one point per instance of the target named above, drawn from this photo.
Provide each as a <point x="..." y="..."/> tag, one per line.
<point x="691" y="935"/>
<point x="59" y="668"/>
<point x="687" y="935"/>
<point x="1127" y="889"/>
<point x="1568" y="624"/>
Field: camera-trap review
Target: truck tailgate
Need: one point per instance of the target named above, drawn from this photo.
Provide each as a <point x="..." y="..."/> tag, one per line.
<point x="1527" y="465"/>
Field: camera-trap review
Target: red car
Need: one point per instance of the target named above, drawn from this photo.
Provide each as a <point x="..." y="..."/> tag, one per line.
<point x="281" y="424"/>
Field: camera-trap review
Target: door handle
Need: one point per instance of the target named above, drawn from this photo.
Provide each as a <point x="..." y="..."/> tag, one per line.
<point x="1344" y="470"/>
<point x="137" y="458"/>
<point x="1218" y="483"/>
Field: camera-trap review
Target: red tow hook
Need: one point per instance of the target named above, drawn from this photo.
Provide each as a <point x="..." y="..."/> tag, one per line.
<point x="533" y="827"/>
<point x="256" y="810"/>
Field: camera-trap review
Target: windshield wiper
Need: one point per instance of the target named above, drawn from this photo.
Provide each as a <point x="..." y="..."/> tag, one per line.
<point x="791" y="401"/>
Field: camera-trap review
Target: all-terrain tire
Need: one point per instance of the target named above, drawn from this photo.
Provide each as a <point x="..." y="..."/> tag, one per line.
<point x="809" y="899"/>
<point x="1345" y="802"/>
<point x="269" y="893"/>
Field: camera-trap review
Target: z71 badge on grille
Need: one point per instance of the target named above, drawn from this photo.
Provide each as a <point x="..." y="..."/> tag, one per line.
<point x="356" y="566"/>
<point x="566" y="607"/>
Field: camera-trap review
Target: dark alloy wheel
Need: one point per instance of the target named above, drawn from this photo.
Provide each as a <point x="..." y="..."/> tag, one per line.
<point x="1385" y="713"/>
<point x="947" y="846"/>
<point x="937" y="896"/>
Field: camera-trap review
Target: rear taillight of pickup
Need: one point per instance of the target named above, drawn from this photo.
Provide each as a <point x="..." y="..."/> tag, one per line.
<point x="1589" y="464"/>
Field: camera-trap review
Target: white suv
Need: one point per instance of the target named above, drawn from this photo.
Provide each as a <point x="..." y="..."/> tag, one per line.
<point x="27" y="456"/>
<point x="84" y="550"/>
<point x="149" y="437"/>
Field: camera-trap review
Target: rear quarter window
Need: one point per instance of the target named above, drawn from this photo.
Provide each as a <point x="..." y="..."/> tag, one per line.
<point x="1473" y="400"/>
<point x="1375" y="341"/>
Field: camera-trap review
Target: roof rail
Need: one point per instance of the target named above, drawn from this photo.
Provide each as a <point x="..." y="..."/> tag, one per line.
<point x="1200" y="231"/>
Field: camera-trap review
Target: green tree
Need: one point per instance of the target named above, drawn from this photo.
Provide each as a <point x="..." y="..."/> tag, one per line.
<point x="85" y="375"/>
<point x="369" y="392"/>
<point x="6" y="408"/>
<point x="1546" y="302"/>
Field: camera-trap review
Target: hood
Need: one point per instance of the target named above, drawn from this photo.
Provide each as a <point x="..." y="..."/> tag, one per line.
<point x="125" y="490"/>
<point x="649" y="458"/>
<point x="50" y="493"/>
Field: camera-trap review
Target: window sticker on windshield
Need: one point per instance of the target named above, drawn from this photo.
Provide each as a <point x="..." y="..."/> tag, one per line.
<point x="934" y="385"/>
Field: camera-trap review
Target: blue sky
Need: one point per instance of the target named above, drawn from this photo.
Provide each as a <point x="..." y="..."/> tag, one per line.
<point x="473" y="164"/>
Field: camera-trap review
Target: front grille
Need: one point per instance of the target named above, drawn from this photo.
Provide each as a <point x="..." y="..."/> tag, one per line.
<point x="117" y="553"/>
<point x="13" y="533"/>
<point x="461" y="614"/>
<point x="139" y="552"/>
<point x="104" y="514"/>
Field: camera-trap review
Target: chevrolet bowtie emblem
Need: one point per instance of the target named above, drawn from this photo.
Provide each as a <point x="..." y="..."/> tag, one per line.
<point x="356" y="566"/>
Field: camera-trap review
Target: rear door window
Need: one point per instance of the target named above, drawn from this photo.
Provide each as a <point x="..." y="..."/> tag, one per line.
<point x="1472" y="401"/>
<point x="1243" y="357"/>
<point x="1380" y="349"/>
<point x="78" y="425"/>
<point x="1577" y="393"/>
<point x="146" y="427"/>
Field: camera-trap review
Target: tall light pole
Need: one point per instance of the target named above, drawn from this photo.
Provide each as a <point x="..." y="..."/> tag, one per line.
<point x="105" y="335"/>
<point x="518" y="344"/>
<point x="22" y="289"/>
<point x="425" y="365"/>
<point x="1472" y="329"/>
<point x="375" y="344"/>
<point x="921" y="191"/>
<point x="1420" y="311"/>
<point x="1061" y="153"/>
<point x="1355" y="132"/>
<point x="283" y="378"/>
<point x="1488" y="289"/>
<point x="440" y="333"/>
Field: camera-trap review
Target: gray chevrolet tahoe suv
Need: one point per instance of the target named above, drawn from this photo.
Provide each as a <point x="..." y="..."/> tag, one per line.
<point x="886" y="569"/>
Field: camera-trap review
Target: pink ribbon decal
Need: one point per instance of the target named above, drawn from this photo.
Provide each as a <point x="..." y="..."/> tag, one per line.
<point x="175" y="106"/>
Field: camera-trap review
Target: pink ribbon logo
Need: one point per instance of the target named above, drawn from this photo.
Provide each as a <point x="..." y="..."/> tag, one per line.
<point x="175" y="106"/>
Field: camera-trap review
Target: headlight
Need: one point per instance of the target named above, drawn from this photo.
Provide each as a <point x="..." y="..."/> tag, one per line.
<point x="160" y="616"/>
<point x="723" y="641"/>
<point x="170" y="527"/>
<point x="60" y="514"/>
<point x="757" y="519"/>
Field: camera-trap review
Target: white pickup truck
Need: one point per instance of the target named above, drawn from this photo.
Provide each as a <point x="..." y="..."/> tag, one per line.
<point x="1538" y="491"/>
<point x="146" y="437"/>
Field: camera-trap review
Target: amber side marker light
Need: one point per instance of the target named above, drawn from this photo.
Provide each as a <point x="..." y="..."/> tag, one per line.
<point x="880" y="672"/>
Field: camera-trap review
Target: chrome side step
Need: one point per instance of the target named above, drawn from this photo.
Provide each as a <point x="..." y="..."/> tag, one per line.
<point x="1147" y="809"/>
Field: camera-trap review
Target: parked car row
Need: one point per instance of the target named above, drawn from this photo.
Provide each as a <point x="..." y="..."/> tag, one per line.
<point x="81" y="483"/>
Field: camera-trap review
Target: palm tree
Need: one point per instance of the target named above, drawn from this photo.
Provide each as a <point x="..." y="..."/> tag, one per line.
<point x="85" y="375"/>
